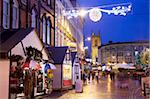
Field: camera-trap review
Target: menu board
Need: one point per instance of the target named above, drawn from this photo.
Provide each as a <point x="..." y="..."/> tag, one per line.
<point x="67" y="75"/>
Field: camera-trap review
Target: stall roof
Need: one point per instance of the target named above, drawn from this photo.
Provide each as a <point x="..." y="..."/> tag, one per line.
<point x="57" y="53"/>
<point x="73" y="56"/>
<point x="10" y="38"/>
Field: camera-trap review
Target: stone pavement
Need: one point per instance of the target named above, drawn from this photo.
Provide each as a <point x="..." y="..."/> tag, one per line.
<point x="105" y="89"/>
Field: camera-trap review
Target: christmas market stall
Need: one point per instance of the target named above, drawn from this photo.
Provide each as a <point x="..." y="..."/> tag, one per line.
<point x="63" y="74"/>
<point x="76" y="68"/>
<point x="23" y="53"/>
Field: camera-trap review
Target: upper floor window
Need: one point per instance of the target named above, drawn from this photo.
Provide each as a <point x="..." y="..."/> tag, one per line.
<point x="15" y="14"/>
<point x="48" y="31"/>
<point x="33" y="22"/>
<point x="52" y="3"/>
<point x="44" y="29"/>
<point x="6" y="14"/>
<point x="49" y="2"/>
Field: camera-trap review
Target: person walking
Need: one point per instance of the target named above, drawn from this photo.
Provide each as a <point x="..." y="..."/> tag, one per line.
<point x="97" y="77"/>
<point x="89" y="76"/>
<point x="93" y="75"/>
<point x="112" y="75"/>
<point x="84" y="78"/>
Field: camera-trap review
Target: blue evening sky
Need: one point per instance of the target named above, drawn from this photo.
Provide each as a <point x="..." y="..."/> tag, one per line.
<point x="132" y="27"/>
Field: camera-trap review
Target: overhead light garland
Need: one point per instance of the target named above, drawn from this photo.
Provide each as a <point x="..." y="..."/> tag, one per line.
<point x="95" y="13"/>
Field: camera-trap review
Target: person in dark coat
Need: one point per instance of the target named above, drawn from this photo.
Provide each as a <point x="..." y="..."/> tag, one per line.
<point x="93" y="75"/>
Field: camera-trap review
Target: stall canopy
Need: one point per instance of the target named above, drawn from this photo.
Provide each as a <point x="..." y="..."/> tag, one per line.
<point x="57" y="53"/>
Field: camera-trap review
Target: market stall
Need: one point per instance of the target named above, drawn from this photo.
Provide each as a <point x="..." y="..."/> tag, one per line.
<point x="76" y="68"/>
<point x="24" y="55"/>
<point x="63" y="74"/>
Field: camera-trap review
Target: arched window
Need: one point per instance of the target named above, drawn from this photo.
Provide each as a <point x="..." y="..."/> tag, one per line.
<point x="15" y="14"/>
<point x="6" y="14"/>
<point x="48" y="31"/>
<point x="44" y="29"/>
<point x="33" y="22"/>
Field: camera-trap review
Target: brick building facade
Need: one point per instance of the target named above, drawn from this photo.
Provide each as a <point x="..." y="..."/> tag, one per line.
<point x="38" y="14"/>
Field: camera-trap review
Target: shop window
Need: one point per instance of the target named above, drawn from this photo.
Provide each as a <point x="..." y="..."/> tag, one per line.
<point x="15" y="14"/>
<point x="6" y="13"/>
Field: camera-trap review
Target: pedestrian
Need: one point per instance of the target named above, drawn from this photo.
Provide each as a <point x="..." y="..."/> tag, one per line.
<point x="89" y="76"/>
<point x="113" y="75"/>
<point x="93" y="75"/>
<point x="84" y="78"/>
<point x="97" y="77"/>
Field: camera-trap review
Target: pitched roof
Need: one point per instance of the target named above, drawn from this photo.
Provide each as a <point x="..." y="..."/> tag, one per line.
<point x="10" y="38"/>
<point x="73" y="56"/>
<point x="57" y="53"/>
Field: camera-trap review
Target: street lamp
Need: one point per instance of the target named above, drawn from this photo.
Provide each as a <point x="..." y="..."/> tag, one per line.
<point x="88" y="39"/>
<point x="86" y="47"/>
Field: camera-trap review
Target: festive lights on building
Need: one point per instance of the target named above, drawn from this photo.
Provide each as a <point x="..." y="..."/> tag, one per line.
<point x="95" y="13"/>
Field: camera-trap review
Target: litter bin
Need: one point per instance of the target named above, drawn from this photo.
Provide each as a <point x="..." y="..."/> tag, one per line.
<point x="79" y="86"/>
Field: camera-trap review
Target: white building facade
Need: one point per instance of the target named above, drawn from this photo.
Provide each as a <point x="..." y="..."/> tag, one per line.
<point x="69" y="32"/>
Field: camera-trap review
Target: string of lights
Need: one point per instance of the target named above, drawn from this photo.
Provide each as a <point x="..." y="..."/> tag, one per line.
<point x="95" y="13"/>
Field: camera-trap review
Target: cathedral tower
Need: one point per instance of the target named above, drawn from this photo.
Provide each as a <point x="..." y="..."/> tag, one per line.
<point x="95" y="39"/>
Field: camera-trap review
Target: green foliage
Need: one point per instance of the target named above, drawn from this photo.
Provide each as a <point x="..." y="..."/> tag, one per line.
<point x="34" y="53"/>
<point x="138" y="59"/>
<point x="145" y="57"/>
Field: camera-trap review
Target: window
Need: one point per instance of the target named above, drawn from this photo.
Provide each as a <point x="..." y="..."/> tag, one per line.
<point x="15" y="14"/>
<point x="48" y="31"/>
<point x="120" y="53"/>
<point x="52" y="4"/>
<point x="6" y="14"/>
<point x="33" y="23"/>
<point x="49" y="2"/>
<point x="96" y="43"/>
<point x="44" y="29"/>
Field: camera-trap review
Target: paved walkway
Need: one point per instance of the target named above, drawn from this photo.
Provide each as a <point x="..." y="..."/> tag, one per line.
<point x="105" y="89"/>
